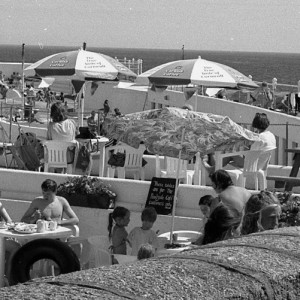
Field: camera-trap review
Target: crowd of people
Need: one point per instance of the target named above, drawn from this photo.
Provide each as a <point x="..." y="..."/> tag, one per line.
<point x="265" y="97"/>
<point x="234" y="212"/>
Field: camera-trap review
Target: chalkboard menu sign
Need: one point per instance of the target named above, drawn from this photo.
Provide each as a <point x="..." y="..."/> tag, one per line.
<point x="161" y="195"/>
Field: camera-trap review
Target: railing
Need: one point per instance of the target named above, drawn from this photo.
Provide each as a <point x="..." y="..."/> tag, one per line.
<point x="134" y="65"/>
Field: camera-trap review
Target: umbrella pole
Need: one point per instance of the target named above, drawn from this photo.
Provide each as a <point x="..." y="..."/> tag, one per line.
<point x="176" y="188"/>
<point x="146" y="98"/>
<point x="81" y="105"/>
<point x="196" y="102"/>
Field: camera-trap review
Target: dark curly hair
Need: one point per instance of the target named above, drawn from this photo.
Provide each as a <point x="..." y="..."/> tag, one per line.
<point x="221" y="179"/>
<point x="221" y="222"/>
<point x="253" y="208"/>
<point x="260" y="121"/>
<point x="58" y="112"/>
<point x="119" y="212"/>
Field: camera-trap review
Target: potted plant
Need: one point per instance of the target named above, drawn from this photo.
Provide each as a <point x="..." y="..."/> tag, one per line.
<point x="87" y="191"/>
<point x="290" y="206"/>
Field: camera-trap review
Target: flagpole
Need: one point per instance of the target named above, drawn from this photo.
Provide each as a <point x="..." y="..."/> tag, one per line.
<point x="23" y="99"/>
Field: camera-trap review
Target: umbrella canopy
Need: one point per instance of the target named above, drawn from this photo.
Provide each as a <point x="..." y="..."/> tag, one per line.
<point x="196" y="71"/>
<point x="161" y="132"/>
<point x="82" y="65"/>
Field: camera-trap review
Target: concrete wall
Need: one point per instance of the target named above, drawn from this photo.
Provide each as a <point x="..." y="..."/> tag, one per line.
<point x="126" y="100"/>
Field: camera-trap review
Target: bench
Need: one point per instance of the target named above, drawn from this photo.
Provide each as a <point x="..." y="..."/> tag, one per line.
<point x="290" y="182"/>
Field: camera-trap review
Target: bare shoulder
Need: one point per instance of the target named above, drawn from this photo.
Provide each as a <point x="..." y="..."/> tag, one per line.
<point x="37" y="200"/>
<point x="62" y="200"/>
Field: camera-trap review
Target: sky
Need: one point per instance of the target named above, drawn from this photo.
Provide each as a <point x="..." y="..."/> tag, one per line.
<point x="219" y="25"/>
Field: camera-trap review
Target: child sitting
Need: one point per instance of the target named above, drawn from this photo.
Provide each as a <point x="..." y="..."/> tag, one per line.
<point x="144" y="235"/>
<point x="205" y="203"/>
<point x="145" y="251"/>
<point x="118" y="236"/>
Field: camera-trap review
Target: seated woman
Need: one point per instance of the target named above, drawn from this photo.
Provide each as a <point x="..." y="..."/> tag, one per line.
<point x="233" y="196"/>
<point x="60" y="128"/>
<point x="222" y="224"/>
<point x="261" y="213"/>
<point x="260" y="125"/>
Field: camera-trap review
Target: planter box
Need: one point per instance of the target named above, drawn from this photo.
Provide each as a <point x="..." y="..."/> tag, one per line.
<point x="102" y="201"/>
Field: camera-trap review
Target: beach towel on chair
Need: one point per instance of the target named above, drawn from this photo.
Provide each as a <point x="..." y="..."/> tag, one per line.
<point x="26" y="145"/>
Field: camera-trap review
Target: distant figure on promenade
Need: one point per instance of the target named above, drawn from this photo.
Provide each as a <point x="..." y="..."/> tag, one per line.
<point x="106" y="108"/>
<point x="50" y="207"/>
<point x="47" y="92"/>
<point x="222" y="94"/>
<point x="118" y="113"/>
<point x="39" y="96"/>
<point x="66" y="106"/>
<point x="263" y="96"/>
<point x="61" y="97"/>
<point x="290" y="103"/>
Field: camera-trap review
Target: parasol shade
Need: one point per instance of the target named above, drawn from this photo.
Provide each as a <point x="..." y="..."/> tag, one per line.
<point x="161" y="132"/>
<point x="195" y="71"/>
<point x="80" y="65"/>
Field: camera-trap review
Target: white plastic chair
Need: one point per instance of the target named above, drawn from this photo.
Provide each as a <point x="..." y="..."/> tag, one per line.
<point x="133" y="161"/>
<point x="98" y="254"/>
<point x="170" y="171"/>
<point x="55" y="155"/>
<point x="251" y="168"/>
<point x="92" y="251"/>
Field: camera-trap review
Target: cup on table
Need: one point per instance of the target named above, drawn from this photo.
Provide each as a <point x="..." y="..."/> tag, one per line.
<point x="41" y="226"/>
<point x="52" y="225"/>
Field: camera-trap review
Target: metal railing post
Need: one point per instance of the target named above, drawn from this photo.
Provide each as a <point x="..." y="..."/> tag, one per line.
<point x="286" y="141"/>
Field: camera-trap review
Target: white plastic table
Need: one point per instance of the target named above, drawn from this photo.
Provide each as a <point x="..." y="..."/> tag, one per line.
<point x="60" y="233"/>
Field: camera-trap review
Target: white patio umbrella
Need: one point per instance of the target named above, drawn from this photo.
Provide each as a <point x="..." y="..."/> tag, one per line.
<point x="199" y="72"/>
<point x="80" y="65"/>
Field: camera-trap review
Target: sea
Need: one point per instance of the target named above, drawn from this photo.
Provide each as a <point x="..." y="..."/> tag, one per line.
<point x="262" y="66"/>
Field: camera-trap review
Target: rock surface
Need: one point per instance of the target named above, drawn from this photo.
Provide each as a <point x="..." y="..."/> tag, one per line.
<point x="259" y="266"/>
